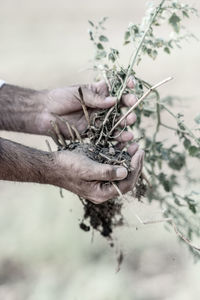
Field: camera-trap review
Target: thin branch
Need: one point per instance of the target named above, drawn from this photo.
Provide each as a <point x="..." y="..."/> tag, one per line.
<point x="48" y="145"/>
<point x="188" y="130"/>
<point x="179" y="234"/>
<point x="135" y="55"/>
<point x="84" y="106"/>
<point x="54" y="138"/>
<point x="77" y="134"/>
<point x="139" y="101"/>
<point x="57" y="131"/>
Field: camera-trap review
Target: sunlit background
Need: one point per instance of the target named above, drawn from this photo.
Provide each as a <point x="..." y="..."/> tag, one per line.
<point x="43" y="253"/>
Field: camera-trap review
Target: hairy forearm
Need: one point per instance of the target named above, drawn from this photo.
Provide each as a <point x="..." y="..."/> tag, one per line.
<point x="24" y="164"/>
<point x="19" y="108"/>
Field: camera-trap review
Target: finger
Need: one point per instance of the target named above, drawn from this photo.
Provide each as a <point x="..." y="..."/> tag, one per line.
<point x="133" y="148"/>
<point x="104" y="192"/>
<point x="131" y="82"/>
<point x="101" y="87"/>
<point x="130" y="120"/>
<point x="124" y="137"/>
<point x="94" y="100"/>
<point x="120" y="146"/>
<point x="136" y="165"/>
<point x="105" y="172"/>
<point x="129" y="100"/>
<point x="139" y="156"/>
<point x="96" y="96"/>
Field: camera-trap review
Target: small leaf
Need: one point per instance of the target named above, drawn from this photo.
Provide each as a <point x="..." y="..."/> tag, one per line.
<point x="177" y="161"/>
<point x="126" y="43"/>
<point x="185" y="14"/>
<point x="100" y="46"/>
<point x="167" y="50"/>
<point x="192" y="207"/>
<point x="91" y="23"/>
<point x="187" y="143"/>
<point x="111" y="57"/>
<point x="101" y="54"/>
<point x="127" y="35"/>
<point x="174" y="21"/>
<point x="91" y="35"/>
<point x="103" y="38"/>
<point x="194" y="151"/>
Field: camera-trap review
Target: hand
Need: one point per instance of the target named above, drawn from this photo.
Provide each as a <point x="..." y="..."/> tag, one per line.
<point x="64" y="103"/>
<point x="92" y="180"/>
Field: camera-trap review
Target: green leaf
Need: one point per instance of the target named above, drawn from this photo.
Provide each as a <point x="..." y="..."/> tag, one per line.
<point x="103" y="20"/>
<point x="103" y="38"/>
<point x="187" y="143"/>
<point x="101" y="54"/>
<point x="167" y="50"/>
<point x="197" y="119"/>
<point x="192" y="207"/>
<point x="185" y="14"/>
<point x="100" y="46"/>
<point x="194" y="151"/>
<point x="165" y="182"/>
<point x="174" y="21"/>
<point x="126" y="43"/>
<point x="177" y="161"/>
<point x="127" y="35"/>
<point x="91" y="35"/>
<point x="91" y="23"/>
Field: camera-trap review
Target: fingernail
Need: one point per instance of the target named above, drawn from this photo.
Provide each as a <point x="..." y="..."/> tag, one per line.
<point x="121" y="173"/>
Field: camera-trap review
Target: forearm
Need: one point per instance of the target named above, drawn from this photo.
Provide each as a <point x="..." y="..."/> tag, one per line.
<point x="19" y="108"/>
<point x="24" y="164"/>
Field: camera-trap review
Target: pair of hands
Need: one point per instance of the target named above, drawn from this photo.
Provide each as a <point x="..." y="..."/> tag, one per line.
<point x="74" y="171"/>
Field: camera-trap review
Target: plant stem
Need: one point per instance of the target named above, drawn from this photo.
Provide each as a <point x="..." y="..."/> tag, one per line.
<point x="135" y="55"/>
<point x="139" y="101"/>
<point x="188" y="130"/>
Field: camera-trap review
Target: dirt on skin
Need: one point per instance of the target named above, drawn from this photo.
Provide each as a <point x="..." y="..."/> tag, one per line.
<point x="108" y="215"/>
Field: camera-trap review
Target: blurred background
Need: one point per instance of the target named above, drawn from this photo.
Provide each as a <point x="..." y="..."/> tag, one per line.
<point x="43" y="253"/>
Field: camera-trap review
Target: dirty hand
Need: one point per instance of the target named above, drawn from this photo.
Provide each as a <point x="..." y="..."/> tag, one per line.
<point x="92" y="180"/>
<point x="63" y="103"/>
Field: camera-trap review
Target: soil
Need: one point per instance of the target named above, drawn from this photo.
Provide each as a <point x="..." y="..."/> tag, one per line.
<point x="108" y="215"/>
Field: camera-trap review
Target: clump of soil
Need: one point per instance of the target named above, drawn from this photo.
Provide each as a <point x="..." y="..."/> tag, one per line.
<point x="103" y="217"/>
<point x="106" y="216"/>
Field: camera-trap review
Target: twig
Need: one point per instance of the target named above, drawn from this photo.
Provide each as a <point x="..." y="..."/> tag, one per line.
<point x="135" y="54"/>
<point x="146" y="179"/>
<point x="57" y="131"/>
<point x="54" y="138"/>
<point x="178" y="233"/>
<point x="68" y="127"/>
<point x="139" y="101"/>
<point x="187" y="241"/>
<point x="118" y="190"/>
<point x="77" y="133"/>
<point x="48" y="145"/>
<point x="190" y="133"/>
<point x="70" y="131"/>
<point x="84" y="106"/>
